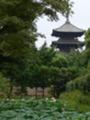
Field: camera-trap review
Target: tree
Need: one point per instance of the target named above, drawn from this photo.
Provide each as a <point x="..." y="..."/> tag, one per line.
<point x="82" y="81"/>
<point x="60" y="60"/>
<point x="40" y="68"/>
<point x="59" y="79"/>
<point x="40" y="78"/>
<point x="87" y="39"/>
<point x="18" y="32"/>
<point x="87" y="44"/>
<point x="17" y="23"/>
<point x="46" y="55"/>
<point x="4" y="86"/>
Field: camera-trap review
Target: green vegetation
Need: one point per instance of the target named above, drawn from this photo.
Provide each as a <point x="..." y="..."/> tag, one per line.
<point x="18" y="33"/>
<point x="23" y="65"/>
<point x="76" y="100"/>
<point x="40" y="109"/>
<point x="4" y="86"/>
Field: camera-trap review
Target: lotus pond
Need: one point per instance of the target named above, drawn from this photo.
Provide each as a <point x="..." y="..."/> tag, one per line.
<point x="37" y="109"/>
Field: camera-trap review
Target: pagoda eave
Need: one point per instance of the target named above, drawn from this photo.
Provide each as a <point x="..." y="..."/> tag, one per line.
<point x="74" y="34"/>
<point x="55" y="43"/>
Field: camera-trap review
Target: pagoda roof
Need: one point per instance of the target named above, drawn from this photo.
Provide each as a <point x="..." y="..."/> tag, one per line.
<point x="67" y="28"/>
<point x="70" y="43"/>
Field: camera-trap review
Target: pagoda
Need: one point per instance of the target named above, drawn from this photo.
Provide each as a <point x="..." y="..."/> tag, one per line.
<point x="68" y="37"/>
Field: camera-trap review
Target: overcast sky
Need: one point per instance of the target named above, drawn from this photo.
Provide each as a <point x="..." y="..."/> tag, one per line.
<point x="80" y="18"/>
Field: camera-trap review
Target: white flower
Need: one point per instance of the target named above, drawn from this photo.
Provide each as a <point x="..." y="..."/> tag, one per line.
<point x="53" y="99"/>
<point x="7" y="99"/>
<point x="22" y="99"/>
<point x="46" y="99"/>
<point x="12" y="99"/>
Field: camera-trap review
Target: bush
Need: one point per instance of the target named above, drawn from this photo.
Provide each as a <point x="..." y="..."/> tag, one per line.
<point x="4" y="86"/>
<point x="76" y="100"/>
<point x="81" y="83"/>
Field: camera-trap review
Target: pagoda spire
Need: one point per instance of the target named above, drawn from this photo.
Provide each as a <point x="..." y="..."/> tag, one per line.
<point x="67" y="16"/>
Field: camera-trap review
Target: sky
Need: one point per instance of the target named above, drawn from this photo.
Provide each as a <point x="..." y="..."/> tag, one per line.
<point x="80" y="18"/>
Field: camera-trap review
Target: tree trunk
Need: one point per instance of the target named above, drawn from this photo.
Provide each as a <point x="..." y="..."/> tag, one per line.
<point x="43" y="95"/>
<point x="54" y="91"/>
<point x="36" y="92"/>
<point x="10" y="90"/>
<point x="23" y="90"/>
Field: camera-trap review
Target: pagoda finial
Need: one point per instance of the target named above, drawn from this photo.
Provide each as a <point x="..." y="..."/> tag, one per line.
<point x="67" y="16"/>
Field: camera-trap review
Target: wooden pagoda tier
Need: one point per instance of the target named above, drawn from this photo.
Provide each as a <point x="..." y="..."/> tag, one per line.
<point x="68" y="35"/>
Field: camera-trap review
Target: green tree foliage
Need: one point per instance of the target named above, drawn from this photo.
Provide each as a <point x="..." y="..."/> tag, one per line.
<point x="17" y="23"/>
<point x="87" y="44"/>
<point x="39" y="75"/>
<point x="87" y="38"/>
<point x="82" y="81"/>
<point x="4" y="86"/>
<point x="46" y="55"/>
<point x="18" y="33"/>
<point x="59" y="68"/>
<point x="65" y="68"/>
<point x="60" y="60"/>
